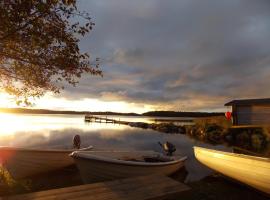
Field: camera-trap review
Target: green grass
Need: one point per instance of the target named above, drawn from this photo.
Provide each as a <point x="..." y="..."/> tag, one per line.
<point x="218" y="120"/>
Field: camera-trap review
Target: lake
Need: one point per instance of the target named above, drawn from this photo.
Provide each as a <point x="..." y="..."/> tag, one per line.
<point x="57" y="131"/>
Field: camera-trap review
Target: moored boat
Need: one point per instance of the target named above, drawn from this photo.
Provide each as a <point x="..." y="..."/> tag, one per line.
<point x="251" y="170"/>
<point x="24" y="162"/>
<point x="95" y="166"/>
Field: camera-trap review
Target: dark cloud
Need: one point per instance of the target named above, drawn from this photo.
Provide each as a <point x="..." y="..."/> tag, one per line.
<point x="195" y="53"/>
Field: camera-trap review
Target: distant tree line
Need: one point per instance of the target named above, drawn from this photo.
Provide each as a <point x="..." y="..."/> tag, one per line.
<point x="182" y="114"/>
<point x="148" y="114"/>
<point x="45" y="111"/>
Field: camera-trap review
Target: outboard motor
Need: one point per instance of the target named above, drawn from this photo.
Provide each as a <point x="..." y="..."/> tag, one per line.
<point x="168" y="147"/>
<point x="76" y="142"/>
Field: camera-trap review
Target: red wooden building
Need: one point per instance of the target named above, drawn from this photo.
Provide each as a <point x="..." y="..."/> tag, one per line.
<point x="250" y="111"/>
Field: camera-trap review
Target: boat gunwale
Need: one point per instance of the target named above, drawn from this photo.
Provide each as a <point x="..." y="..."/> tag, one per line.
<point x="78" y="155"/>
<point x="259" y="184"/>
<point x="244" y="156"/>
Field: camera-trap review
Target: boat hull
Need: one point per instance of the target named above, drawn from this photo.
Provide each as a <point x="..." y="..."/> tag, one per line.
<point x="250" y="170"/>
<point x="96" y="170"/>
<point x="21" y="163"/>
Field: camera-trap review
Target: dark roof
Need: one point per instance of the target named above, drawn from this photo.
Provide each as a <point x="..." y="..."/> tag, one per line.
<point x="249" y="102"/>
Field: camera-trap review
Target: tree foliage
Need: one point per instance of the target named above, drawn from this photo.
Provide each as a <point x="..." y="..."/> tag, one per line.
<point x="39" y="46"/>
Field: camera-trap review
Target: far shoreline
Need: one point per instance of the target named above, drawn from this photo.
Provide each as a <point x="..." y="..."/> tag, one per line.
<point x="147" y="114"/>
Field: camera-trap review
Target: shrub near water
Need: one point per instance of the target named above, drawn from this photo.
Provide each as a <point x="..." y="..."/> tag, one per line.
<point x="210" y="129"/>
<point x="251" y="138"/>
<point x="10" y="186"/>
<point x="215" y="133"/>
<point x="257" y="141"/>
<point x="218" y="120"/>
<point x="218" y="130"/>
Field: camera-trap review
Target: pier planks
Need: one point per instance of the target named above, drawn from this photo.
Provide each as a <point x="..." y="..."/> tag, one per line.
<point x="143" y="187"/>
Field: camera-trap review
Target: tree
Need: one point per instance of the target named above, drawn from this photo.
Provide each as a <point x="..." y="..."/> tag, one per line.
<point x="39" y="46"/>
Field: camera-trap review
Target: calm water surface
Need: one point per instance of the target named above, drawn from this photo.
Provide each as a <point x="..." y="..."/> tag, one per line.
<point x="57" y="131"/>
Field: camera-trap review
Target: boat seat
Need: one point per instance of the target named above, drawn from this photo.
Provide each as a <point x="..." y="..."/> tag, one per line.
<point x="153" y="158"/>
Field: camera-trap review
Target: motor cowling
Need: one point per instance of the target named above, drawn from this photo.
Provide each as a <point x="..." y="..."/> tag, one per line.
<point x="168" y="147"/>
<point x="76" y="142"/>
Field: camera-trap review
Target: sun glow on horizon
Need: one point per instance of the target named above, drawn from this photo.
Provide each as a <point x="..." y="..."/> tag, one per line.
<point x="94" y="105"/>
<point x="6" y="101"/>
<point x="51" y="102"/>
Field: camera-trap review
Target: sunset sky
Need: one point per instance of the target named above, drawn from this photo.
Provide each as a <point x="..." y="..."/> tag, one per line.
<point x="187" y="55"/>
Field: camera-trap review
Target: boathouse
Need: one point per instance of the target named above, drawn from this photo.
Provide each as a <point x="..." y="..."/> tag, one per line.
<point x="250" y="111"/>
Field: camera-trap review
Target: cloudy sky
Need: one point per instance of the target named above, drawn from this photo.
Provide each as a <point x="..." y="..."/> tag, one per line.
<point x="188" y="55"/>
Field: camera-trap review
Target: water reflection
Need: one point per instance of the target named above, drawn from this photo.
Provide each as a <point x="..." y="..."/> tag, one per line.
<point x="57" y="131"/>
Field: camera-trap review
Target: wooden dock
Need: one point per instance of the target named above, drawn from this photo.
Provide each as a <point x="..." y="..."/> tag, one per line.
<point x="90" y="118"/>
<point x="93" y="118"/>
<point x="143" y="188"/>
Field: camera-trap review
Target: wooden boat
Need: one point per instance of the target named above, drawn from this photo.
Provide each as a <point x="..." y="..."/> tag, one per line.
<point x="251" y="170"/>
<point x="95" y="166"/>
<point x="24" y="162"/>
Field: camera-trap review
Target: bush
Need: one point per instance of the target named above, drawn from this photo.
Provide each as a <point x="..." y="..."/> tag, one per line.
<point x="257" y="141"/>
<point x="267" y="134"/>
<point x="220" y="120"/>
<point x="214" y="133"/>
<point x="10" y="186"/>
<point x="243" y="139"/>
<point x="167" y="128"/>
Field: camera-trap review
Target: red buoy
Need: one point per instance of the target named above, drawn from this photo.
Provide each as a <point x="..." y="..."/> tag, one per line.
<point x="228" y="115"/>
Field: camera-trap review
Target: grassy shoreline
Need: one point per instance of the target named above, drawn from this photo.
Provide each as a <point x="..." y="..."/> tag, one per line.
<point x="218" y="130"/>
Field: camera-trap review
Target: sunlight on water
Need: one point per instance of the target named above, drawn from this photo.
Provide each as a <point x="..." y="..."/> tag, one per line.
<point x="57" y="132"/>
<point x="48" y="130"/>
<point x="12" y="123"/>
